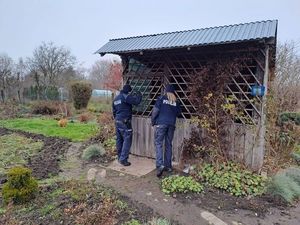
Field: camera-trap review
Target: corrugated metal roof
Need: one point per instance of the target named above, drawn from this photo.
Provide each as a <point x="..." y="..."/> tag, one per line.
<point x="200" y="37"/>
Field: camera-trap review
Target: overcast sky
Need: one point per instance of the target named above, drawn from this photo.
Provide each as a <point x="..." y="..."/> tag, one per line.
<point x="85" y="25"/>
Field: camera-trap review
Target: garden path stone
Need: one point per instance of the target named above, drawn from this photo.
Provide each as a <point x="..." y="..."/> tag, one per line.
<point x="101" y="175"/>
<point x="91" y="174"/>
<point x="140" y="166"/>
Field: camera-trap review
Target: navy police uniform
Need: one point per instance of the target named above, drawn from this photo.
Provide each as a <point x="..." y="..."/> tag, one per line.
<point x="122" y="112"/>
<point x="163" y="118"/>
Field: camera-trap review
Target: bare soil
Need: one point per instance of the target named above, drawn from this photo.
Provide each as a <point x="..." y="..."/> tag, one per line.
<point x="213" y="198"/>
<point x="46" y="162"/>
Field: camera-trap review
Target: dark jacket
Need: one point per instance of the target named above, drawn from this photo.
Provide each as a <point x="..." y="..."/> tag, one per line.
<point x="122" y="105"/>
<point x="165" y="112"/>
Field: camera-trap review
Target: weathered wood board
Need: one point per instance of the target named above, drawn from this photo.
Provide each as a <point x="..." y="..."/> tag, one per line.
<point x="241" y="140"/>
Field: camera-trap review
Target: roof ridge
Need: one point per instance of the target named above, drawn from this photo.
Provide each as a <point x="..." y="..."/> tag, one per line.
<point x="206" y="28"/>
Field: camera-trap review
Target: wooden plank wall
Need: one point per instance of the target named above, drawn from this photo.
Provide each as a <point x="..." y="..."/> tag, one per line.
<point x="143" y="137"/>
<point x="241" y="140"/>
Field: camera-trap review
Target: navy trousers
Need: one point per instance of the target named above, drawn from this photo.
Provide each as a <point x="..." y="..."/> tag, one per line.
<point x="164" y="133"/>
<point x="124" y="140"/>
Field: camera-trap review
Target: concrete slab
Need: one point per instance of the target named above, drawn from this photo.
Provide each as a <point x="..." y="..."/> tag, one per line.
<point x="140" y="166"/>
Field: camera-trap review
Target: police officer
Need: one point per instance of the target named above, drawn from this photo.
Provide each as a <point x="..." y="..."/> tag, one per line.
<point x="163" y="117"/>
<point x="122" y="112"/>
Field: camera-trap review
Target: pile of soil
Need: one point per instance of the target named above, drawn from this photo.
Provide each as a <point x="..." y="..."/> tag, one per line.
<point x="46" y="162"/>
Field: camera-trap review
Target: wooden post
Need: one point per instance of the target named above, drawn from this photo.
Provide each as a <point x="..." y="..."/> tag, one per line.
<point x="259" y="148"/>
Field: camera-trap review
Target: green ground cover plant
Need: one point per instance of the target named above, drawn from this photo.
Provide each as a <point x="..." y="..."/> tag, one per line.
<point x="232" y="178"/>
<point x="159" y="221"/>
<point x="154" y="221"/>
<point x="16" y="149"/>
<point x="180" y="184"/>
<point x="49" y="127"/>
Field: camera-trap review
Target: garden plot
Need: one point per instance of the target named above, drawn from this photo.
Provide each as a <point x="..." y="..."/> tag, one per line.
<point x="41" y="154"/>
<point x="75" y="202"/>
<point x="16" y="150"/>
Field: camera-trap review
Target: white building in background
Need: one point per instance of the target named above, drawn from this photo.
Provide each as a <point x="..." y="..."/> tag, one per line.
<point x="101" y="93"/>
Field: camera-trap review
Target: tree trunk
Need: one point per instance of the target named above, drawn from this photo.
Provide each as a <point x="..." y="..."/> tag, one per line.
<point x="19" y="96"/>
<point x="2" y="95"/>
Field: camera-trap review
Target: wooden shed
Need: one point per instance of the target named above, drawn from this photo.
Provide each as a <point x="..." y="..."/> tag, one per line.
<point x="151" y="61"/>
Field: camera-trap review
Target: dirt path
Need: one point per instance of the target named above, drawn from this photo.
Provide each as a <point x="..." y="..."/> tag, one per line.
<point x="146" y="190"/>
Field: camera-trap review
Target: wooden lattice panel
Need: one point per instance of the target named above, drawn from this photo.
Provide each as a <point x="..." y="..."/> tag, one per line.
<point x="150" y="73"/>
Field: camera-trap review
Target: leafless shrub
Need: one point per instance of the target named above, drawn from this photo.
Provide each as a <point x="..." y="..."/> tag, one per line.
<point x="284" y="95"/>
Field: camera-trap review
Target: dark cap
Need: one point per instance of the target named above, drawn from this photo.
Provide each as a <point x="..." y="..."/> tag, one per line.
<point x="170" y="88"/>
<point x="127" y="88"/>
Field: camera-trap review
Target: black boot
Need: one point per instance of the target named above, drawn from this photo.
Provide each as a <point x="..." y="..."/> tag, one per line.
<point x="159" y="171"/>
<point x="125" y="163"/>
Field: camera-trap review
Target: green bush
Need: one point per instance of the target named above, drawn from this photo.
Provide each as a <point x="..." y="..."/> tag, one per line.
<point x="286" y="184"/>
<point x="232" y="178"/>
<point x="21" y="186"/>
<point x="180" y="184"/>
<point x="81" y="93"/>
<point x="290" y="117"/>
<point x="92" y="152"/>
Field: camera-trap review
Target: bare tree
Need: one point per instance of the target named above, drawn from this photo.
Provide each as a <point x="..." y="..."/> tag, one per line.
<point x="286" y="85"/>
<point x="19" y="77"/>
<point x="6" y="67"/>
<point x="68" y="76"/>
<point x="36" y="76"/>
<point x="48" y="63"/>
<point x="98" y="72"/>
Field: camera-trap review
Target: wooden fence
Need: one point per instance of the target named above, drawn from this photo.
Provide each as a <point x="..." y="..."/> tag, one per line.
<point x="242" y="140"/>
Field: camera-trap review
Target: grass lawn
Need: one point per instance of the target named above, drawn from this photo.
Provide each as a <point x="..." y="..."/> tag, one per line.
<point x="16" y="149"/>
<point x="48" y="127"/>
